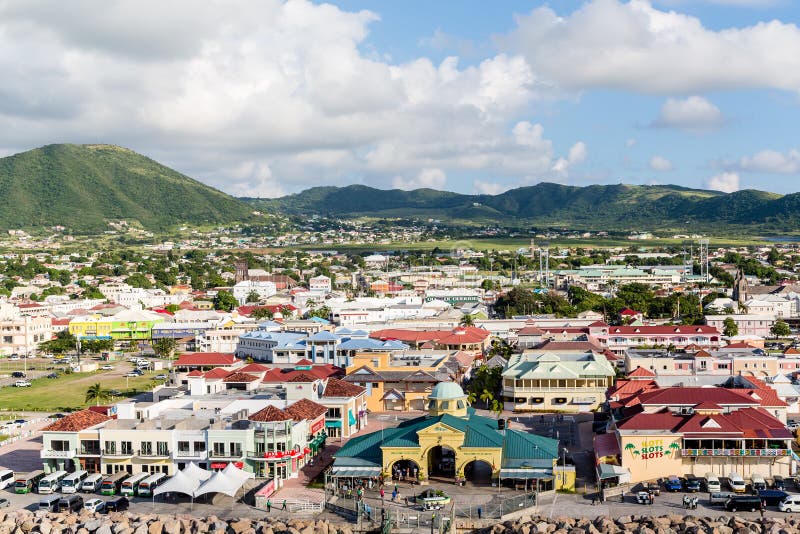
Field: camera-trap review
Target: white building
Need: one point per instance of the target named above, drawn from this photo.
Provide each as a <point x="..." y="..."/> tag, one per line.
<point x="19" y="333"/>
<point x="320" y="284"/>
<point x="243" y="289"/>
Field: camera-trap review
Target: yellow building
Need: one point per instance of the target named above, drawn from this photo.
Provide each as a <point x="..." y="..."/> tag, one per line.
<point x="392" y="385"/>
<point x="452" y="442"/>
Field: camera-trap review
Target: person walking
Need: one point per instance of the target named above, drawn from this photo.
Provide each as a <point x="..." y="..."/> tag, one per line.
<point x="284" y="505"/>
<point x="382" y="494"/>
<point x="480" y="512"/>
<point x="394" y="495"/>
<point x="269" y="505"/>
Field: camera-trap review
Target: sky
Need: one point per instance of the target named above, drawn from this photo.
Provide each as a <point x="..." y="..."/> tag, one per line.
<point x="266" y="98"/>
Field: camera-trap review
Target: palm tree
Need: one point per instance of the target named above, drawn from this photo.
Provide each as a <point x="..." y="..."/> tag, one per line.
<point x="497" y="407"/>
<point x="471" y="397"/>
<point x="486" y="396"/>
<point x="467" y="320"/>
<point x="96" y="393"/>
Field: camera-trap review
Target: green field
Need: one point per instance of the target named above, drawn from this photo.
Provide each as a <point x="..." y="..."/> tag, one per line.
<point x="68" y="392"/>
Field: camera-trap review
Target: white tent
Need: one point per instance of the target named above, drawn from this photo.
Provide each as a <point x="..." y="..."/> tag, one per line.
<point x="237" y="473"/>
<point x="196" y="472"/>
<point x="180" y="482"/>
<point x="221" y="483"/>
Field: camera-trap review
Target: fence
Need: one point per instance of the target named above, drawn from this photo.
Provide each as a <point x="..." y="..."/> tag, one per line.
<point x="496" y="508"/>
<point x="25" y="434"/>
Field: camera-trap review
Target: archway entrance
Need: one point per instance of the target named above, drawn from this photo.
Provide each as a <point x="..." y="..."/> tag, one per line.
<point x="442" y="461"/>
<point x="405" y="470"/>
<point x="478" y="472"/>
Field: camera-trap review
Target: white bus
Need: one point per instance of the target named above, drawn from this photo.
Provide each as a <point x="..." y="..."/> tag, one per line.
<point x="51" y="483"/>
<point x="72" y="482"/>
<point x="92" y="483"/>
<point x="147" y="485"/>
<point x="6" y="478"/>
<point x="130" y="486"/>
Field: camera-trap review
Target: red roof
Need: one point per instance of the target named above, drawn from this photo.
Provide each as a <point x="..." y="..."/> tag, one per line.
<point x="77" y="421"/>
<point x="598" y="324"/>
<point x="306" y="409"/>
<point x="340" y="388"/>
<point x="303" y="363"/>
<point x="239" y="378"/>
<point x="606" y="445"/>
<point x="739" y="345"/>
<point x="457" y="336"/>
<point x="641" y="372"/>
<point x="692" y="396"/>
<point x="196" y="372"/>
<point x="270" y="414"/>
<point x="791" y="350"/>
<point x="321" y="372"/>
<point x="206" y="359"/>
<point x="628" y="312"/>
<point x="530" y="331"/>
<point x="217" y="373"/>
<point x="255" y="368"/>
<point x="745" y="422"/>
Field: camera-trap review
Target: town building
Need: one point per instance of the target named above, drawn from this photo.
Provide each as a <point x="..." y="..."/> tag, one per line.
<point x="746" y="324"/>
<point x="21" y="334"/>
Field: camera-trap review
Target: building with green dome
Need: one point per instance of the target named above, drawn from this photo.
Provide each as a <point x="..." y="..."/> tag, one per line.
<point x="452" y="443"/>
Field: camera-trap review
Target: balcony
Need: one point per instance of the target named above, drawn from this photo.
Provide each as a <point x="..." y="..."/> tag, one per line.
<point x="192" y="454"/>
<point x="113" y="453"/>
<point x="49" y="453"/>
<point x="747" y="453"/>
<point x="153" y="454"/>
<point x="89" y="452"/>
<point x="226" y="455"/>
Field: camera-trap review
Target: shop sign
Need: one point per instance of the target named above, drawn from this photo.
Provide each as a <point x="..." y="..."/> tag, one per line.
<point x="652" y="449"/>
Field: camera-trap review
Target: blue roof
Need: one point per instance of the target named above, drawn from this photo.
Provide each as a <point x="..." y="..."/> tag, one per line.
<point x="324" y="335"/>
<point x="319" y="320"/>
<point x="371" y="344"/>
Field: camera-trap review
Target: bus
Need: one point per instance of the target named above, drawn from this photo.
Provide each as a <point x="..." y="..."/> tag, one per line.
<point x="92" y="483"/>
<point x="112" y="483"/>
<point x="72" y="482"/>
<point x="25" y="483"/>
<point x="131" y="485"/>
<point x="51" y="483"/>
<point x="147" y="485"/>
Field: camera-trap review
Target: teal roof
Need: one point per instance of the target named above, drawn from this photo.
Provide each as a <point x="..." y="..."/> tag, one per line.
<point x="447" y="391"/>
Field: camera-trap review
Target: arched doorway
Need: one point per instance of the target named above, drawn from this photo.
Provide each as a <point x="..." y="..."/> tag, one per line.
<point x="405" y="470"/>
<point x="442" y="461"/>
<point x="478" y="472"/>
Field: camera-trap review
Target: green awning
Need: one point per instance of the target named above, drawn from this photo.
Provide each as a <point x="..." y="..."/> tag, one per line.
<point x="526" y="474"/>
<point x="333" y="424"/>
<point x="350" y="417"/>
<point x="355" y="471"/>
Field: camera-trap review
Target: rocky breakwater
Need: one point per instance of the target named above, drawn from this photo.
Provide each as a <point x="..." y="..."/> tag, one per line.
<point x="646" y="525"/>
<point x="26" y="522"/>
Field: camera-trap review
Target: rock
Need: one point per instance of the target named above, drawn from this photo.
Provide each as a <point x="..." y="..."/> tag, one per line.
<point x="156" y="527"/>
<point x="172" y="526"/>
<point x="92" y="525"/>
<point x="104" y="529"/>
<point x="242" y="526"/>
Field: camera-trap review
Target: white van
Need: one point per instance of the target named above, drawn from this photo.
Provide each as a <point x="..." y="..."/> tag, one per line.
<point x="758" y="482"/>
<point x="6" y="478"/>
<point x="736" y="482"/>
<point x="92" y="483"/>
<point x="790" y="504"/>
<point x="50" y="504"/>
<point x="712" y="483"/>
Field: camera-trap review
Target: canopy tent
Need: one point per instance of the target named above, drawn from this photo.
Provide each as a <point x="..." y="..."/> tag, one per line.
<point x="196" y="472"/>
<point x="236" y="473"/>
<point x="180" y="482"/>
<point x="220" y="482"/>
<point x="606" y="471"/>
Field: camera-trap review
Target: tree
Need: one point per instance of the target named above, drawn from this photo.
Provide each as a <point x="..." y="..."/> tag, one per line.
<point x="729" y="327"/>
<point x="165" y="347"/>
<point x="172" y="308"/>
<point x="467" y="320"/>
<point x="224" y="301"/>
<point x="261" y="313"/>
<point x="97" y="345"/>
<point x="64" y="342"/>
<point x="253" y="296"/>
<point x="322" y="312"/>
<point x="95" y="393"/>
<point x="780" y="329"/>
<point x="138" y="280"/>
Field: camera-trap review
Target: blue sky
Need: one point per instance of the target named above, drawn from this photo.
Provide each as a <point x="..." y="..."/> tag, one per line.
<point x="270" y="97"/>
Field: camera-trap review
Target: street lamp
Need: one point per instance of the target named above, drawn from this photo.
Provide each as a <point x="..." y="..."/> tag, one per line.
<point x="563" y="468"/>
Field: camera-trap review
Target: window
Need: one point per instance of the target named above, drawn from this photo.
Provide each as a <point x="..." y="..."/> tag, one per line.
<point x="236" y="449"/>
<point x="199" y="446"/>
<point x="110" y="447"/>
<point x="219" y="449"/>
<point x="147" y="448"/>
<point x="183" y="446"/>
<point x="162" y="448"/>
<point x="126" y="447"/>
<point x="334" y="413"/>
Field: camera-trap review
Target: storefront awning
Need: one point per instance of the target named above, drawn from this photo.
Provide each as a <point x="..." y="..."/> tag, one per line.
<point x="350" y="417"/>
<point x="606" y="471"/>
<point x="526" y="474"/>
<point x="355" y="471"/>
<point x="333" y="424"/>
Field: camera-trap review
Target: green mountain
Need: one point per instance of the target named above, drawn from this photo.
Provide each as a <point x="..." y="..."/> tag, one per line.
<point x="82" y="187"/>
<point x="610" y="207"/>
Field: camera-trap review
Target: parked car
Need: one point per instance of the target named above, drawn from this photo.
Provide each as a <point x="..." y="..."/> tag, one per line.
<point x="107" y="368"/>
<point x="772" y="497"/>
<point x="20" y="421"/>
<point x="14" y="357"/>
<point x="790" y="504"/>
<point x="654" y="488"/>
<point x="52" y="375"/>
<point x="738" y="503"/>
<point x="57" y="416"/>
<point x="18" y="374"/>
<point x="4" y="503"/>
<point x="132" y="374"/>
<point x="115" y="392"/>
<point x="673" y="483"/>
<point x="94" y="505"/>
<point x="778" y="483"/>
<point x="643" y="497"/>
<point x="720" y="497"/>
<point x="22" y="384"/>
<point x="117" y="505"/>
<point x="793" y="425"/>
<point x="162" y="376"/>
<point x="692" y="485"/>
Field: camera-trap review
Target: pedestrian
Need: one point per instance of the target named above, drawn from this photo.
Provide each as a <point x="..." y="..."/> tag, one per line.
<point x="269" y="505"/>
<point x="368" y="511"/>
<point x="284" y="505"/>
<point x="480" y="512"/>
<point x="405" y="499"/>
<point x="394" y="495"/>
<point x="685" y="501"/>
<point x="382" y="494"/>
<point x="763" y="509"/>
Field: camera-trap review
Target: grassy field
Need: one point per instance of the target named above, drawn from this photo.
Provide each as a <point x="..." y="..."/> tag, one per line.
<point x="68" y="391"/>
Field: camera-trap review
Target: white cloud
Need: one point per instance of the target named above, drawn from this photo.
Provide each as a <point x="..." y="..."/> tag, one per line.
<point x="772" y="161"/>
<point x="215" y="89"/>
<point x="489" y="188"/>
<point x="660" y="164"/>
<point x="635" y="46"/>
<point x="727" y="182"/>
<point x="630" y="143"/>
<point x="429" y="178"/>
<point x="577" y="154"/>
<point x="694" y="114"/>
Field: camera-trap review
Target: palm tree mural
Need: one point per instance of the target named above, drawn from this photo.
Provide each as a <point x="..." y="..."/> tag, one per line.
<point x="674" y="448"/>
<point x="630" y="447"/>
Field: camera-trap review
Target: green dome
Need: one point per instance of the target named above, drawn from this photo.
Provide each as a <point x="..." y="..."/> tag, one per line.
<point x="447" y="391"/>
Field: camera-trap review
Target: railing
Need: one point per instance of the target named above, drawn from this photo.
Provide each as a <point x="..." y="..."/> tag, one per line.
<point x="233" y="454"/>
<point x="152" y="454"/>
<point x="89" y="452"/>
<point x="735" y="452"/>
<point x="49" y="453"/>
<point x="115" y="452"/>
<point x="191" y="454"/>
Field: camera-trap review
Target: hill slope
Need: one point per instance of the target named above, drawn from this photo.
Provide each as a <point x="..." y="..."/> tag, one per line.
<point x="611" y="207"/>
<point x="82" y="187"/>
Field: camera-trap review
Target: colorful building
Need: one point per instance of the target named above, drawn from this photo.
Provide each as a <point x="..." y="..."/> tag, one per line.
<point x="127" y="325"/>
